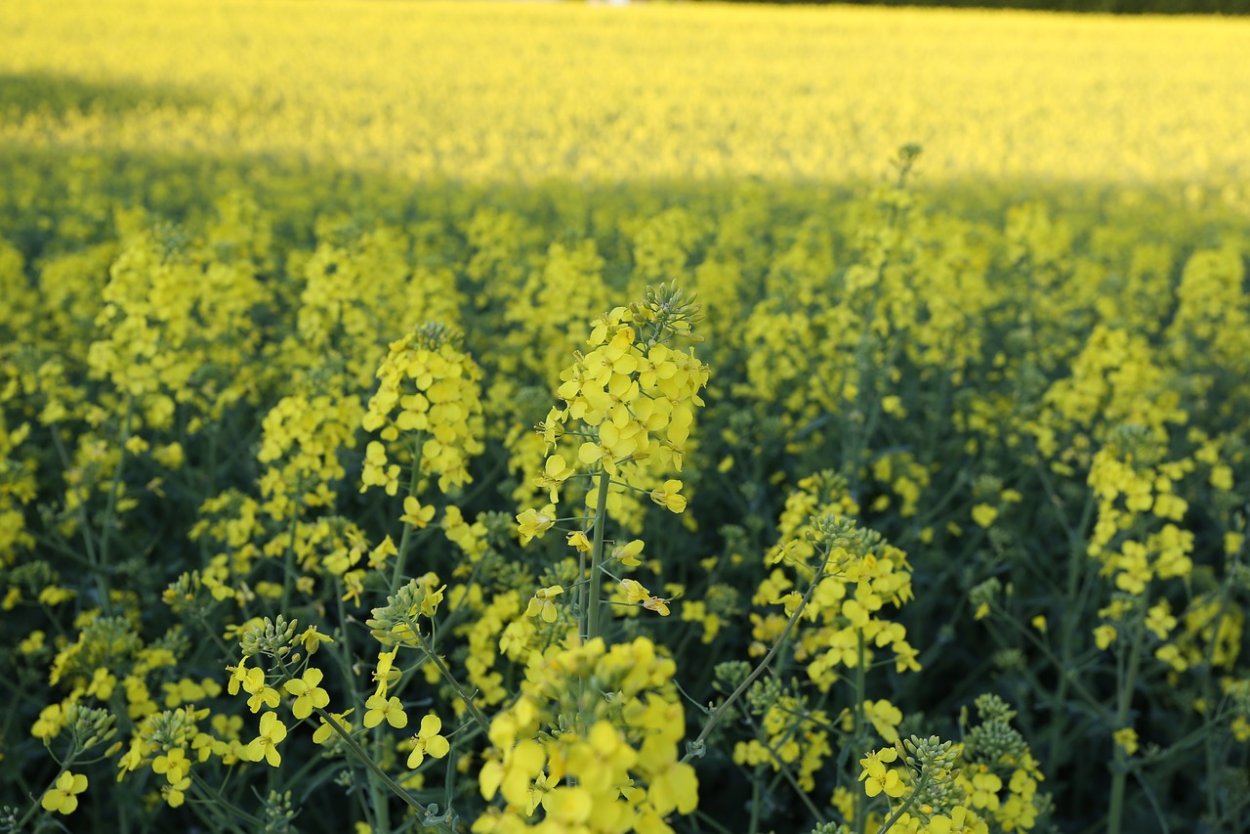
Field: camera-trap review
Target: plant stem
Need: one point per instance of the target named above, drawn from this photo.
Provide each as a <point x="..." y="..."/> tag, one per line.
<point x="368" y="761"/>
<point x="695" y="747"/>
<point x="755" y="800"/>
<point x="902" y="809"/>
<point x="1124" y="700"/>
<point x="110" y="511"/>
<point x="784" y="769"/>
<point x="30" y="812"/>
<point x="288" y="564"/>
<point x="857" y="731"/>
<point x="1208" y="691"/>
<point x="451" y="679"/>
<point x="596" y="558"/>
<point x="405" y="539"/>
<point x="1077" y="565"/>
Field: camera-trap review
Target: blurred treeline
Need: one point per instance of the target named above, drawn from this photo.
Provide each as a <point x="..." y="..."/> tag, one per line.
<point x="1230" y="7"/>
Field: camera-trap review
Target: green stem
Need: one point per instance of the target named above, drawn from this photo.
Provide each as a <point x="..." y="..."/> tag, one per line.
<point x="381" y="808"/>
<point x="405" y="539"/>
<point x="596" y="558"/>
<point x="450" y="678"/>
<point x="582" y="593"/>
<point x="695" y="748"/>
<point x="110" y="510"/>
<point x="902" y="809"/>
<point x="857" y="730"/>
<point x="214" y="798"/>
<point x="707" y="820"/>
<point x="368" y="761"/>
<point x="755" y="800"/>
<point x="1124" y="700"/>
<point x="1077" y="564"/>
<point x="30" y="812"/>
<point x="288" y="563"/>
<point x="784" y="769"/>
<point x="1064" y="672"/>
<point x="1208" y="695"/>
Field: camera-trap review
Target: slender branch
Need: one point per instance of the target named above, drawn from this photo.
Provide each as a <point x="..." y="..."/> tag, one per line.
<point x="695" y="748"/>
<point x="450" y="678"/>
<point x="405" y="539"/>
<point x="902" y="809"/>
<point x="596" y="558"/>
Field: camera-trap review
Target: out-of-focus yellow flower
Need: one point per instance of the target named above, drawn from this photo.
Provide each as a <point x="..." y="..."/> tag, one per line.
<point x="62" y="797"/>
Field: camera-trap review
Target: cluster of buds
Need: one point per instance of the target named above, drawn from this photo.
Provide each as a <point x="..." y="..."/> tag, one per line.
<point x="269" y="637"/>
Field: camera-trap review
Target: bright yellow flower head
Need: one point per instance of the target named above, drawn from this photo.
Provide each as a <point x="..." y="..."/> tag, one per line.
<point x="308" y="693"/>
<point x="62" y="797"/>
<point x="265" y="745"/>
<point x="428" y="742"/>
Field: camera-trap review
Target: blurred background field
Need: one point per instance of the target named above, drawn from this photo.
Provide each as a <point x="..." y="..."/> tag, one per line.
<point x="480" y="93"/>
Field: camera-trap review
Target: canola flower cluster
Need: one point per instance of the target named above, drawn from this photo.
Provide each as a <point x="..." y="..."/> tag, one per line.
<point x="742" y="523"/>
<point x="480" y="500"/>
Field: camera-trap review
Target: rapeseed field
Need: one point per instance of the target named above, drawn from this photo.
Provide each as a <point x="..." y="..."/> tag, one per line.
<point x="466" y="417"/>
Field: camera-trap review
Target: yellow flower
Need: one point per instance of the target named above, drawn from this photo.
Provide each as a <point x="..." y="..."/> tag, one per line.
<point x="62" y="797"/>
<point x="569" y="807"/>
<point x="384" y="672"/>
<point x="377" y="557"/>
<point x="174" y="765"/>
<point x="265" y="745"/>
<point x="50" y="721"/>
<point x="323" y="733"/>
<point x="634" y="590"/>
<point x="960" y="821"/>
<point x="885" y="718"/>
<point x="1126" y="740"/>
<point x="533" y="523"/>
<point x="627" y="554"/>
<point x="555" y="472"/>
<point x="985" y="788"/>
<point x="984" y="514"/>
<point x="428" y="742"/>
<point x="175" y="793"/>
<point x="32" y="643"/>
<point x="674" y="786"/>
<point x="238" y="677"/>
<point x="415" y="514"/>
<point x="262" y="694"/>
<point x="308" y="695"/>
<point x="877" y="778"/>
<point x="311" y="639"/>
<point x="376" y="472"/>
<point x="378" y="707"/>
<point x="1104" y="635"/>
<point x="542" y="604"/>
<point x="1159" y="619"/>
<point x="659" y="606"/>
<point x="667" y="496"/>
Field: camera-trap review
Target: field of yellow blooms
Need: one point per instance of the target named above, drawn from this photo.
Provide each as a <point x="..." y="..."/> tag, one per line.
<point x="477" y="418"/>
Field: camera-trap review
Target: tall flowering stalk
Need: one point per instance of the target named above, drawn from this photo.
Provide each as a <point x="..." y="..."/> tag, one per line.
<point x="427" y="411"/>
<point x="629" y="404"/>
